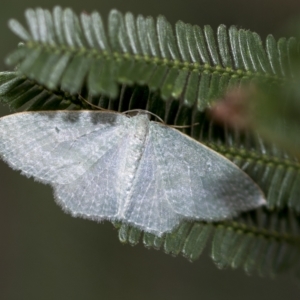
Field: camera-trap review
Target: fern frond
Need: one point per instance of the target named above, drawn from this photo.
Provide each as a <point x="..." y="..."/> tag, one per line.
<point x="252" y="242"/>
<point x="192" y="65"/>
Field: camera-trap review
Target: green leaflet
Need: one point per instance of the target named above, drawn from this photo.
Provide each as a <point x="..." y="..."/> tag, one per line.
<point x="19" y="92"/>
<point x="191" y="63"/>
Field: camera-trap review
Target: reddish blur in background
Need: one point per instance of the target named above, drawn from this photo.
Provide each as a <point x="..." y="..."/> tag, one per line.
<point x="46" y="254"/>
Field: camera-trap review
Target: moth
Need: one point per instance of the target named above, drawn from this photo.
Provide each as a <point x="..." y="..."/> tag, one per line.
<point x="109" y="166"/>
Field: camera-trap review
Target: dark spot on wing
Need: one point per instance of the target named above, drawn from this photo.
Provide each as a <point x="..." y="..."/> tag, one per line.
<point x="104" y="117"/>
<point x="94" y="116"/>
<point x="50" y="115"/>
<point x="71" y="116"/>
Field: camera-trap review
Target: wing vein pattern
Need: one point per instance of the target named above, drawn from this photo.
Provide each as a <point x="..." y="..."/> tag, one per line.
<point x="107" y="166"/>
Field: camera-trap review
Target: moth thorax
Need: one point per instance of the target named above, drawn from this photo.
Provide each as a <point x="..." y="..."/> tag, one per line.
<point x="136" y="145"/>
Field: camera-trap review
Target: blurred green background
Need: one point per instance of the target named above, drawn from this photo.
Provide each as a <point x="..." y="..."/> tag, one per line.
<point x="46" y="254"/>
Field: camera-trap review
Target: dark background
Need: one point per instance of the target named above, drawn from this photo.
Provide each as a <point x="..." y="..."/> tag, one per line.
<point x="46" y="254"/>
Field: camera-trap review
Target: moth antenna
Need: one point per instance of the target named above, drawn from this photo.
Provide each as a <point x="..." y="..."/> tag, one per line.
<point x="145" y="111"/>
<point x="91" y="104"/>
<point x="183" y="126"/>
